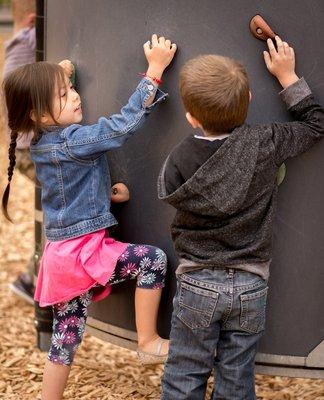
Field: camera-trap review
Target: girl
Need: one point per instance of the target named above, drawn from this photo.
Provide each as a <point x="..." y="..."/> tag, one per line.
<point x="80" y="261"/>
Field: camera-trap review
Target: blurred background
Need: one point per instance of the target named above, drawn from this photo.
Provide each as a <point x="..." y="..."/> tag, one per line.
<point x="102" y="371"/>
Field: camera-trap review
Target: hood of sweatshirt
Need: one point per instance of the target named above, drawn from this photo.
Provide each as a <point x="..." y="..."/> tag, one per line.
<point x="221" y="184"/>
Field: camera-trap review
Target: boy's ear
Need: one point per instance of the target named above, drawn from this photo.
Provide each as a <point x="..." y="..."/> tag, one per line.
<point x="250" y="96"/>
<point x="193" y="121"/>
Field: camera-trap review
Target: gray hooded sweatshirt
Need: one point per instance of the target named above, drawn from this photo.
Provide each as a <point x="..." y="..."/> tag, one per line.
<point x="225" y="211"/>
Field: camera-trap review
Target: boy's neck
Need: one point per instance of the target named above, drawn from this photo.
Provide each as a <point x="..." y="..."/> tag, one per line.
<point x="218" y="136"/>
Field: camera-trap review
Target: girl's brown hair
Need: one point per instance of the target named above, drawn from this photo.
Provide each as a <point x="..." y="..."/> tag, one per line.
<point x="29" y="93"/>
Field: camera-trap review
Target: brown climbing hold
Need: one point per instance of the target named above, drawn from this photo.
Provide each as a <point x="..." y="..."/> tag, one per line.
<point x="260" y="29"/>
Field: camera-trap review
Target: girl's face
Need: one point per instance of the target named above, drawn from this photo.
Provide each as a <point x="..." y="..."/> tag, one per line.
<point x="67" y="106"/>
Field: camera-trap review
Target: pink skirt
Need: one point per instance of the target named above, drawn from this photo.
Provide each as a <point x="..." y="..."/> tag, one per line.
<point x="71" y="267"/>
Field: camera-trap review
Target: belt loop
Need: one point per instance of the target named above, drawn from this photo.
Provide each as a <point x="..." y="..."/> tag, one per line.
<point x="231" y="271"/>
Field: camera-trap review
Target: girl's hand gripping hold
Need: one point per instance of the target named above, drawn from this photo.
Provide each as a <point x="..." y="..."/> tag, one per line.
<point x="281" y="62"/>
<point x="159" y="53"/>
<point x="68" y="67"/>
<point x="119" y="193"/>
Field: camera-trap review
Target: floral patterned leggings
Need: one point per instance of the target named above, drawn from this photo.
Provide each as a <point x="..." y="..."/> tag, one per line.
<point x="147" y="263"/>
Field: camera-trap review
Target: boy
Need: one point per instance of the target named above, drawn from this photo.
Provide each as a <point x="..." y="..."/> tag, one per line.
<point x="223" y="185"/>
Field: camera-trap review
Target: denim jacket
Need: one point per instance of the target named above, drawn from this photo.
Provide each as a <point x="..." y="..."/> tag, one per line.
<point x="73" y="171"/>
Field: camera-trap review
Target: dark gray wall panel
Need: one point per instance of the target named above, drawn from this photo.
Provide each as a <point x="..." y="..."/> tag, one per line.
<point x="104" y="39"/>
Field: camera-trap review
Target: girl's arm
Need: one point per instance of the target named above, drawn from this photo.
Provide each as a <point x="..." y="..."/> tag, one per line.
<point x="88" y="142"/>
<point x="110" y="133"/>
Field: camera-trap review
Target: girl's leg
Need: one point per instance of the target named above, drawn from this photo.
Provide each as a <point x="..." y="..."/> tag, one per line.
<point x="68" y="326"/>
<point x="147" y="303"/>
<point x="148" y="264"/>
<point x="54" y="380"/>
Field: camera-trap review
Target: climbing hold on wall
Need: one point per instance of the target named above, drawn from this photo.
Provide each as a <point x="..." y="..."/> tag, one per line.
<point x="260" y="29"/>
<point x="281" y="174"/>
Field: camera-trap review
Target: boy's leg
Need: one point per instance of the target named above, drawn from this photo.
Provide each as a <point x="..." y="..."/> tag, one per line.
<point x="239" y="337"/>
<point x="234" y="366"/>
<point x="194" y="335"/>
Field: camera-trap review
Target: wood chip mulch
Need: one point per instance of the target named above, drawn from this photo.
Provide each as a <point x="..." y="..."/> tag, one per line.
<point x="102" y="371"/>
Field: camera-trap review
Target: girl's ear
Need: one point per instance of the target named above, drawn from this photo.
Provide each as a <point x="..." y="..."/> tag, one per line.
<point x="44" y="119"/>
<point x="250" y="96"/>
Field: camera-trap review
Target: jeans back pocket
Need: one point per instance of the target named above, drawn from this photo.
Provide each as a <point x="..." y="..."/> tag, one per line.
<point x="196" y="305"/>
<point x="253" y="306"/>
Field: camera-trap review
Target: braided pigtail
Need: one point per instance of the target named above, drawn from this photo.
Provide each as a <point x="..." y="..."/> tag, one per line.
<point x="12" y="163"/>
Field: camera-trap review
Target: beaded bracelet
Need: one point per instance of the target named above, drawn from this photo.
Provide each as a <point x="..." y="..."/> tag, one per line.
<point x="156" y="80"/>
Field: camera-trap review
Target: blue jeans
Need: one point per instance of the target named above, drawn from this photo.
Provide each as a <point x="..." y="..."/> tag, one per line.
<point x="218" y="319"/>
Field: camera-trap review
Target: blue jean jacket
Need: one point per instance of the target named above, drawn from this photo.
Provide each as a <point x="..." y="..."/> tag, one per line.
<point x="72" y="167"/>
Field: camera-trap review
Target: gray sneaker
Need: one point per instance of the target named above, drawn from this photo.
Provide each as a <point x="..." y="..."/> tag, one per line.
<point x="24" y="288"/>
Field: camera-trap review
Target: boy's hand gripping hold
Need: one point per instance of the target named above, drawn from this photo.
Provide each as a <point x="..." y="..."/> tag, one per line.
<point x="281" y="62"/>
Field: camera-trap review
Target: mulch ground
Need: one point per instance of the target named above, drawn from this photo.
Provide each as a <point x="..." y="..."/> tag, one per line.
<point x="101" y="371"/>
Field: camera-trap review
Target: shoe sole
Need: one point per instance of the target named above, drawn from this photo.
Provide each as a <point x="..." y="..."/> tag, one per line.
<point x="21" y="294"/>
<point x="150" y="359"/>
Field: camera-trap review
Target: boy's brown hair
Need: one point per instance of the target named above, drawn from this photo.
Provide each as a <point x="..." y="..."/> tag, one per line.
<point x="215" y="91"/>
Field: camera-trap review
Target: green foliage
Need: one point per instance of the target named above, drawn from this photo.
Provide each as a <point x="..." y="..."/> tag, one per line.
<point x="5" y="3"/>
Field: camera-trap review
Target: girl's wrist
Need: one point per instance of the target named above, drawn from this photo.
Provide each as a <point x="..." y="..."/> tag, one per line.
<point x="154" y="71"/>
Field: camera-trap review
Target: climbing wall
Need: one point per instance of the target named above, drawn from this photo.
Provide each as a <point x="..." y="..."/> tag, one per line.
<point x="104" y="39"/>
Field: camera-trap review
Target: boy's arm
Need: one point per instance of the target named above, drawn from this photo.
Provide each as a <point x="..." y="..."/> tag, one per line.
<point x="170" y="177"/>
<point x="293" y="138"/>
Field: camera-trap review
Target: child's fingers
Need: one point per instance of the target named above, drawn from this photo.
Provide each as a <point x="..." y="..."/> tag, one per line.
<point x="147" y="47"/>
<point x="162" y="40"/>
<point x="173" y="48"/>
<point x="267" y="59"/>
<point x="155" y="41"/>
<point x="272" y="49"/>
<point x="286" y="48"/>
<point x="292" y="53"/>
<point x="67" y="66"/>
<point x="280" y="46"/>
<point x="168" y="43"/>
<point x="65" y="62"/>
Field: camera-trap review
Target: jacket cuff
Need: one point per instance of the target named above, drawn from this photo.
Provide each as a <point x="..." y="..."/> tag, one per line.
<point x="295" y="93"/>
<point x="147" y="89"/>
